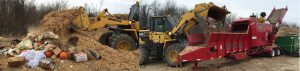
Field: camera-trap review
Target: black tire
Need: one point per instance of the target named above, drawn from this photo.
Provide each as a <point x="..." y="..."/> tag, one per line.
<point x="278" y="52"/>
<point x="104" y="38"/>
<point x="173" y="47"/>
<point x="159" y="52"/>
<point x="272" y="53"/>
<point x="144" y="56"/>
<point x="184" y="42"/>
<point x="118" y="38"/>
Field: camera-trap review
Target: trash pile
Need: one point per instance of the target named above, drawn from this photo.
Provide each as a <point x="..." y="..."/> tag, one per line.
<point x="34" y="50"/>
<point x="52" y="47"/>
<point x="283" y="31"/>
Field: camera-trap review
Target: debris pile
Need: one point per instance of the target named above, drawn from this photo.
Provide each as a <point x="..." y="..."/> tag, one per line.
<point x="283" y="31"/>
<point x="51" y="46"/>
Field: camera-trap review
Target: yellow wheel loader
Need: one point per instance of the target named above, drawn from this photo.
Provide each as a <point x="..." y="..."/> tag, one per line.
<point x="166" y="39"/>
<point x="122" y="34"/>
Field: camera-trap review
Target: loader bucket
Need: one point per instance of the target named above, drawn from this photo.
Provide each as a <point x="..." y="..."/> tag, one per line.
<point x="209" y="10"/>
<point x="81" y="21"/>
<point x="277" y="15"/>
<point x="217" y="13"/>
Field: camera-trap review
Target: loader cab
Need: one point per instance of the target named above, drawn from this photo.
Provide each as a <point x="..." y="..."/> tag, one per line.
<point x="159" y="28"/>
<point x="160" y="24"/>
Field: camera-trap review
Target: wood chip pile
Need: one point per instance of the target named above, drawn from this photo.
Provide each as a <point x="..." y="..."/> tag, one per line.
<point x="287" y="31"/>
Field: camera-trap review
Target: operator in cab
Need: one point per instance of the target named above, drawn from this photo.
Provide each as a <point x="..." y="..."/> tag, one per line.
<point x="261" y="19"/>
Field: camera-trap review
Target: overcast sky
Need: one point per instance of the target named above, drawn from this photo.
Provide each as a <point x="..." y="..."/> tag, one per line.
<point x="242" y="8"/>
<point x="114" y="6"/>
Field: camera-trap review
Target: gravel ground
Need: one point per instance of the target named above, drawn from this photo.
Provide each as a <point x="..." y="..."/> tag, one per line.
<point x="280" y="63"/>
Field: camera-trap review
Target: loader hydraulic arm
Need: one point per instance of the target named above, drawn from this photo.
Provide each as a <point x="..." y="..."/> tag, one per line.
<point x="103" y="14"/>
<point x="104" y="18"/>
<point x="186" y="19"/>
<point x="200" y="13"/>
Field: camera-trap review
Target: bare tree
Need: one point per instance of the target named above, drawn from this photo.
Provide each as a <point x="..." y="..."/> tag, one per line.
<point x="91" y="9"/>
<point x="46" y="8"/>
<point x="17" y="15"/>
<point x="288" y="24"/>
<point x="12" y="16"/>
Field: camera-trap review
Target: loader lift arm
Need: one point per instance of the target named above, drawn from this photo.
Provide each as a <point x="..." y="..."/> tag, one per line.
<point x="201" y="12"/>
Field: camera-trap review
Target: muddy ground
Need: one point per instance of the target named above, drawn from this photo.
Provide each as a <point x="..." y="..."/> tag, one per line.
<point x="280" y="63"/>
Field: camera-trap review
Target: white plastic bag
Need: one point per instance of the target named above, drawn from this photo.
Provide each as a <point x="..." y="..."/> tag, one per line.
<point x="33" y="57"/>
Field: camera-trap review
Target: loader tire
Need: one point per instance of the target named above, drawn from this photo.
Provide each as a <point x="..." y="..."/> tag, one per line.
<point x="172" y="52"/>
<point x="144" y="56"/>
<point x="105" y="37"/>
<point x="122" y="41"/>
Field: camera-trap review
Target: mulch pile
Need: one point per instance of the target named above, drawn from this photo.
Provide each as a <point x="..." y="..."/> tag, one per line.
<point x="283" y="31"/>
<point x="111" y="60"/>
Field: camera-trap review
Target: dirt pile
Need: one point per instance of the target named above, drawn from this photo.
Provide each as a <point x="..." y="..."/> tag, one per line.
<point x="111" y="60"/>
<point x="287" y="31"/>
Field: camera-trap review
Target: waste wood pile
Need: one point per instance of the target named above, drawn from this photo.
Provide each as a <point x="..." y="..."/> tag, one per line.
<point x="50" y="48"/>
<point x="283" y="31"/>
